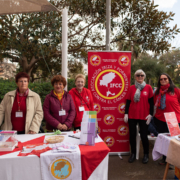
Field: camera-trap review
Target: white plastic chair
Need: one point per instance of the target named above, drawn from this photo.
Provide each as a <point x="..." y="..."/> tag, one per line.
<point x="138" y="139"/>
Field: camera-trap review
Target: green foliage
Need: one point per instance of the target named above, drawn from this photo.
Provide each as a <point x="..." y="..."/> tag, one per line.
<point x="31" y="39"/>
<point x="171" y="60"/>
<point x="42" y="89"/>
<point x="150" y="66"/>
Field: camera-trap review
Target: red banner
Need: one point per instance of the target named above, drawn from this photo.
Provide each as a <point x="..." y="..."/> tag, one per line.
<point x="109" y="81"/>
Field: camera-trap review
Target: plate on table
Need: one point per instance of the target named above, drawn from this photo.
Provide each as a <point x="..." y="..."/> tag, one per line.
<point x="54" y="139"/>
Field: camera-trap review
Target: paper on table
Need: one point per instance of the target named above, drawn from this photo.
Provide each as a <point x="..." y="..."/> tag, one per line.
<point x="172" y="123"/>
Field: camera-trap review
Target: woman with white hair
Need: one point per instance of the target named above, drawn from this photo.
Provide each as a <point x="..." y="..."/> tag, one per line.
<point x="139" y="110"/>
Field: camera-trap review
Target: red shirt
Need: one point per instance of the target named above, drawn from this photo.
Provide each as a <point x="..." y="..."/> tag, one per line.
<point x="139" y="110"/>
<point x="18" y="123"/>
<point x="85" y="99"/>
<point x="172" y="105"/>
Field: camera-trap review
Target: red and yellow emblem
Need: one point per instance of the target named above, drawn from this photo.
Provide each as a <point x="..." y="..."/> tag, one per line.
<point x="97" y="107"/>
<point x="95" y="60"/>
<point x="109" y="141"/>
<point x="124" y="60"/>
<point x="121" y="108"/>
<point x="123" y="130"/>
<point x="109" y="84"/>
<point x="109" y="119"/>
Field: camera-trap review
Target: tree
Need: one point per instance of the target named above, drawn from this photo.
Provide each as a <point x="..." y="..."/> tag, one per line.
<point x="171" y="60"/>
<point x="34" y="40"/>
<point x="150" y="66"/>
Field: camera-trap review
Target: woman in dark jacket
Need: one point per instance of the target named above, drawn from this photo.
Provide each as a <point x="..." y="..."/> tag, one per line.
<point x="59" y="109"/>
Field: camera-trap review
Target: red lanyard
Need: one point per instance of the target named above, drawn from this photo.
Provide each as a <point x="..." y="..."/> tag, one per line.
<point x="19" y="103"/>
<point x="81" y="98"/>
<point x="60" y="100"/>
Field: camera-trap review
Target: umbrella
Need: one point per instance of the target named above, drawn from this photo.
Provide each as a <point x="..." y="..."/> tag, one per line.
<point x="25" y="6"/>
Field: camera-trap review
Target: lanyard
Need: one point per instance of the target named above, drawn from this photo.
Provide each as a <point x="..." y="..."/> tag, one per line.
<point x="19" y="103"/>
<point x="60" y="100"/>
<point x="81" y="98"/>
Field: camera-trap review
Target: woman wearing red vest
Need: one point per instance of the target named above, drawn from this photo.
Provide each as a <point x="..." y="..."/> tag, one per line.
<point x="166" y="99"/>
<point x="82" y="99"/>
<point x="139" y="110"/>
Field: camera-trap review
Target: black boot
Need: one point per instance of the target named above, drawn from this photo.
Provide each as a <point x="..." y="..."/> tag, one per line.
<point x="132" y="158"/>
<point x="145" y="159"/>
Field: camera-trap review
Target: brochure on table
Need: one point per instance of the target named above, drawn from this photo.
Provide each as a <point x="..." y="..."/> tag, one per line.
<point x="172" y="123"/>
<point x="88" y="128"/>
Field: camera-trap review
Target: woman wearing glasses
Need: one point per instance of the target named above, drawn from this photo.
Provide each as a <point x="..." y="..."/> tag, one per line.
<point x="82" y="99"/>
<point x="21" y="109"/>
<point x="166" y="99"/>
<point x="139" y="110"/>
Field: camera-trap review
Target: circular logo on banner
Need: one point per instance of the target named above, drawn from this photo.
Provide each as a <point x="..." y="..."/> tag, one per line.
<point x="121" y="108"/>
<point x="109" y="141"/>
<point x="122" y="130"/>
<point x="109" y="119"/>
<point x="109" y="84"/>
<point x="61" y="169"/>
<point x="95" y="60"/>
<point x="97" y="107"/>
<point x="123" y="60"/>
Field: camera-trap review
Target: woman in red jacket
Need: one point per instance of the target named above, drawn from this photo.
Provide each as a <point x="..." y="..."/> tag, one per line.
<point x="59" y="110"/>
<point x="166" y="99"/>
<point x="82" y="99"/>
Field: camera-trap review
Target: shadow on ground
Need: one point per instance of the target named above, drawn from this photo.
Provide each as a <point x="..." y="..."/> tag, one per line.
<point x="122" y="170"/>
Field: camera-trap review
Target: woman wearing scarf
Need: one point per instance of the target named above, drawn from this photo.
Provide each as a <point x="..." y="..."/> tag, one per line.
<point x="139" y="110"/>
<point x="21" y="109"/>
<point x="166" y="99"/>
<point x="82" y="99"/>
<point x="59" y="110"/>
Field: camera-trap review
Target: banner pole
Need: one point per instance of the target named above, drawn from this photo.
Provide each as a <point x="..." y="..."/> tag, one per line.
<point x="108" y="23"/>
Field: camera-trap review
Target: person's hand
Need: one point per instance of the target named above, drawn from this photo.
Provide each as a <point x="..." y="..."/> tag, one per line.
<point x="64" y="127"/>
<point x="148" y="119"/>
<point x="60" y="126"/>
<point x="126" y="118"/>
<point x="31" y="132"/>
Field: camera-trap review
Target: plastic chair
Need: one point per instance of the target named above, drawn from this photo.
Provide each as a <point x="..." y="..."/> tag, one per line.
<point x="138" y="139"/>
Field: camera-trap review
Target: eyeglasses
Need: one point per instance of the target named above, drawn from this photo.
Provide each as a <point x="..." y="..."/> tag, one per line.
<point x="165" y="79"/>
<point x="23" y="81"/>
<point x="138" y="75"/>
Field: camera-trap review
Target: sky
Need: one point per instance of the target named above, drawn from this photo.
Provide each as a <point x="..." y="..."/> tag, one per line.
<point x="174" y="6"/>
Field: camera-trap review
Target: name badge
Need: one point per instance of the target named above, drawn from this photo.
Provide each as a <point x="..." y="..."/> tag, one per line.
<point x="19" y="114"/>
<point x="62" y="113"/>
<point x="81" y="108"/>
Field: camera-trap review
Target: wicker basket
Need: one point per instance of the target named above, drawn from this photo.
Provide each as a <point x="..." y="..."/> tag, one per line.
<point x="54" y="139"/>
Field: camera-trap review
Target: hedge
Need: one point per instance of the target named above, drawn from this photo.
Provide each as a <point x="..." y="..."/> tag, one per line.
<point x="40" y="88"/>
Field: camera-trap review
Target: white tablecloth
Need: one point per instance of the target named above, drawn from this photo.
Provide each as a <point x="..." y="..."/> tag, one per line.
<point x="161" y="146"/>
<point x="13" y="167"/>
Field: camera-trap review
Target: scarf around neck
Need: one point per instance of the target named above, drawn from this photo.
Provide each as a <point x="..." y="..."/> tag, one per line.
<point x="139" y="88"/>
<point x="161" y="100"/>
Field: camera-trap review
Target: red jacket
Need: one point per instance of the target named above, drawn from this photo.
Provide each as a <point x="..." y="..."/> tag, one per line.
<point x="51" y="108"/>
<point x="172" y="105"/>
<point x="85" y="99"/>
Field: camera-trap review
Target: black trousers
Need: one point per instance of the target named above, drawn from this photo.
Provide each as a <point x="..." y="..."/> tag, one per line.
<point x="143" y="133"/>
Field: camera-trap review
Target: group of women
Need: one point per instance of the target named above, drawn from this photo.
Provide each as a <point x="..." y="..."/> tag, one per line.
<point x="140" y="104"/>
<point x="21" y="109"/>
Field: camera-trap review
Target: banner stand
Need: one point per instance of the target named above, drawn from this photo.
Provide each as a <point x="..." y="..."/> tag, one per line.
<point x="109" y="74"/>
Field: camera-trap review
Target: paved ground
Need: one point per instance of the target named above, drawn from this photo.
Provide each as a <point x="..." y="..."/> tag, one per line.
<point x="122" y="170"/>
